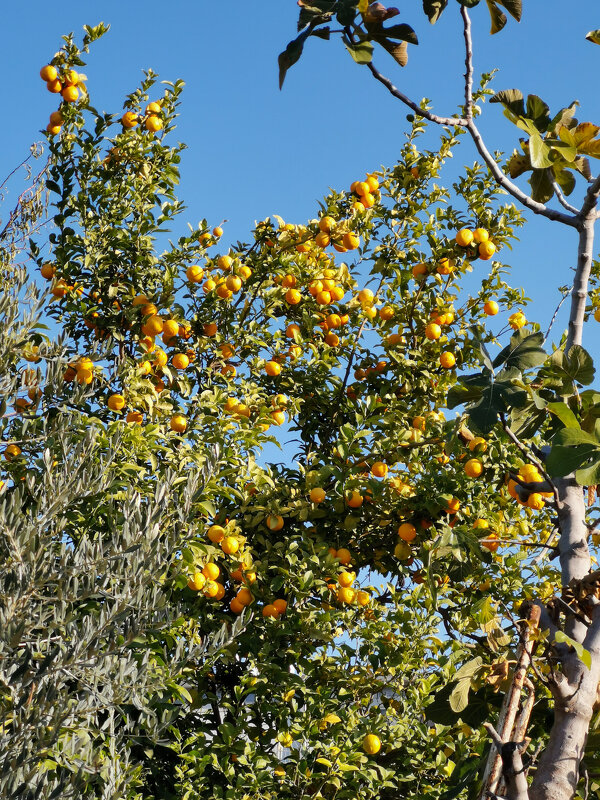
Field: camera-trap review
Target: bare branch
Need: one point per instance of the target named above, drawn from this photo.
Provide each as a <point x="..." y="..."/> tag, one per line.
<point x="591" y="199"/>
<point x="553" y="320"/>
<point x="579" y="293"/>
<point x="419" y="111"/>
<point x="468" y="62"/>
<point x="560" y="196"/>
<point x="512" y="188"/>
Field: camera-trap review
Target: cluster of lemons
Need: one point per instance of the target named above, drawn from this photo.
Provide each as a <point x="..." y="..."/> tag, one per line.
<point x="68" y="83"/>
<point x="152" y="119"/>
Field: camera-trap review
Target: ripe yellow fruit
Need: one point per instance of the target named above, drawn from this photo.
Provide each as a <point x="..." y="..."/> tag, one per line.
<point x="351" y="240"/>
<point x="236" y="606"/>
<point x="70" y="94"/>
<point x="371" y="744"/>
<point x="491" y="308"/>
<point x="407" y="532"/>
<point x="153" y="325"/>
<point x="326" y="224"/>
<point x="234" y="283"/>
<point x="215" y="533"/>
<point x="362" y="598"/>
<point x="323" y="298"/>
<point x="116" y="402"/>
<point x="433" y="331"/>
<point x="194" y="273"/>
<point x="211" y="571"/>
<point x="178" y="423"/>
<point x="346" y="595"/>
<point x="270" y="611"/>
<point x="464" y="237"/>
<point x="293" y="297"/>
<point x="473" y="468"/>
<point x="211" y="588"/>
<point x="197" y="582"/>
<point x="445" y="266"/>
<point x="354" y="500"/>
<point x="274" y="522"/>
<point x="447" y="360"/>
<point x="153" y="123"/>
<point x="54" y="86"/>
<point x="278" y="417"/>
<point x="244" y="596"/>
<point x="419" y="271"/>
<point x="366" y="297"/>
<point x="135" y="417"/>
<point x="486" y="250"/>
<point x="48" y="73"/>
<point x="153" y="108"/>
<point x="322" y="239"/>
<point x="346" y="579"/>
<point x="535" y="501"/>
<point x="517" y="320"/>
<point x="343" y="556"/>
<point x="317" y="495"/>
<point x="597" y="315"/>
<point x="129" y="119"/>
<point x="480" y="235"/>
<point x="272" y="368"/>
<point x="478" y="445"/>
<point x="230" y="545"/>
<point x="453" y="505"/>
<point x="47" y="270"/>
<point x="379" y="469"/>
<point x="12" y="451"/>
<point x="224" y="262"/>
<point x="180" y="361"/>
<point x="170" y="329"/>
<point x="481" y="523"/>
<point x="280" y="605"/>
<point x="210" y="329"/>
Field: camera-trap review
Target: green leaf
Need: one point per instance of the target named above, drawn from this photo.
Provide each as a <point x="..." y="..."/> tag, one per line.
<point x="403" y="32"/>
<point x="564" y="460"/>
<point x="458" y="395"/>
<point x="512" y="100"/>
<point x="590" y="475"/>
<point x="593" y="36"/>
<point x="541" y="186"/>
<point x="566" y="181"/>
<point x="469" y="669"/>
<point x="433" y="9"/>
<point x="564" y="414"/>
<point x="524" y="350"/>
<point x="459" y="697"/>
<point x="362" y="52"/>
<point x="579" y="365"/>
<point x="497" y="17"/>
<point x="583" y="654"/>
<point x="572" y="437"/>
<point x="539" y="152"/>
<point x="539" y="112"/>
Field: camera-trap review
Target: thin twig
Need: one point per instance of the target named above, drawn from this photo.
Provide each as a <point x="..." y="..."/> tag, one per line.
<point x="560" y="196"/>
<point x="553" y="320"/>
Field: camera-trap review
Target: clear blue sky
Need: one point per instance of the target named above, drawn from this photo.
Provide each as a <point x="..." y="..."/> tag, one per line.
<point x="254" y="151"/>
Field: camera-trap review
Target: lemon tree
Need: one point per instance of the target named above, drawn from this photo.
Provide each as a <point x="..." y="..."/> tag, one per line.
<point x="185" y="617"/>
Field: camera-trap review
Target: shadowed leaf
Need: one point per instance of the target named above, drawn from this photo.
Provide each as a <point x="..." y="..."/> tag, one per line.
<point x="433" y="9"/>
<point x="497" y="17"/>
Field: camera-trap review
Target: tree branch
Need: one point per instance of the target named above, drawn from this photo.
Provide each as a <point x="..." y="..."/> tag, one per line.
<point x="512" y="188"/>
<point x="560" y="196"/>
<point x="419" y="111"/>
<point x="579" y="293"/>
<point x="468" y="62"/>
<point x="512" y="764"/>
